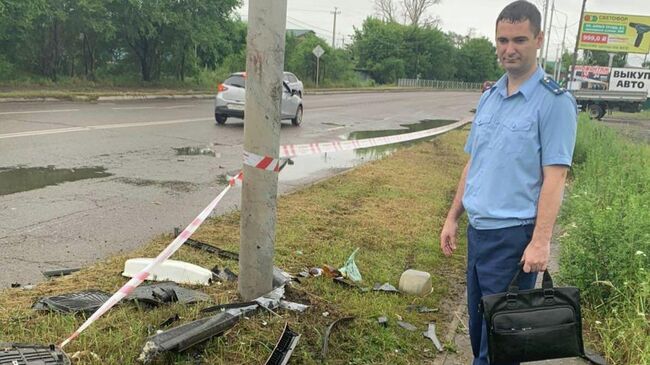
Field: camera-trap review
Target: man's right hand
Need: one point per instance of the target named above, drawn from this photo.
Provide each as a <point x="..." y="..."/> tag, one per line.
<point x="448" y="237"/>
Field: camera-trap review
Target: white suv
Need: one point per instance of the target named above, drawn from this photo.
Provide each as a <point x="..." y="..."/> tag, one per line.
<point x="231" y="98"/>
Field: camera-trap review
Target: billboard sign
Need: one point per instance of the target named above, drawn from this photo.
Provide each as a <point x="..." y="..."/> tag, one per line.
<point x="615" y="33"/>
<point x="592" y="72"/>
<point x="630" y="79"/>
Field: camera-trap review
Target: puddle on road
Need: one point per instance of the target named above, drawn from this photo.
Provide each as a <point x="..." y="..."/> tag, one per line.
<point x="194" y="151"/>
<point x="19" y="179"/>
<point x="305" y="166"/>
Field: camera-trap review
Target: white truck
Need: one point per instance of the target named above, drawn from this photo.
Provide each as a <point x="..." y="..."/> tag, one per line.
<point x="627" y="89"/>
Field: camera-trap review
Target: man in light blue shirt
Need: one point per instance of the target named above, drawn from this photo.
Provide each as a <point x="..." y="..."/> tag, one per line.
<point x="520" y="148"/>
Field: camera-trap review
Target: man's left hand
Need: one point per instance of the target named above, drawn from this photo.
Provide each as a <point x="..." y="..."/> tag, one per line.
<point x="535" y="256"/>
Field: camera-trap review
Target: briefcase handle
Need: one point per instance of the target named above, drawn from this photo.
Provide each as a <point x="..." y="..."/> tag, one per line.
<point x="547" y="281"/>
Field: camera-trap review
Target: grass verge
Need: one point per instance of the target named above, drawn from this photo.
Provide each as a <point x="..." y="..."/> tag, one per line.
<point x="606" y="242"/>
<point x="392" y="209"/>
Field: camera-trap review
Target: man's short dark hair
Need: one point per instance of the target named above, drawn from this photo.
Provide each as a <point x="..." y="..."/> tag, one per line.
<point x="520" y="11"/>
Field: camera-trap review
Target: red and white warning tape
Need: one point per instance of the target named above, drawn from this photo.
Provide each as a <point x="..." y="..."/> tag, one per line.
<point x="264" y="163"/>
<point x="293" y="150"/>
<point x="164" y="255"/>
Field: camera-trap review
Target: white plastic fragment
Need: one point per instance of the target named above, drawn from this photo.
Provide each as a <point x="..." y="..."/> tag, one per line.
<point x="170" y="270"/>
<point x="430" y="333"/>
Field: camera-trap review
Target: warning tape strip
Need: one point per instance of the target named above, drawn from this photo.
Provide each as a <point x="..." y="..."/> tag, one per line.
<point x="265" y="163"/>
<point x="164" y="255"/>
<point x="294" y="150"/>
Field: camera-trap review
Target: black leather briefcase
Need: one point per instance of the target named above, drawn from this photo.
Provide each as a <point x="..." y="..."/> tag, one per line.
<point x="534" y="324"/>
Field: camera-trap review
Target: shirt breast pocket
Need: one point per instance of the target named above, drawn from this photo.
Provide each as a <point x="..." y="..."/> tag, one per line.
<point x="484" y="130"/>
<point x="517" y="134"/>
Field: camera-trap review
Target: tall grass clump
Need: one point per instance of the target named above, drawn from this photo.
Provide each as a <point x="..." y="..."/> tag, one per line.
<point x="606" y="242"/>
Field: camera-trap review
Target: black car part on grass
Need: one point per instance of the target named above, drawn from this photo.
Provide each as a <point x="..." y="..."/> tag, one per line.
<point x="223" y="274"/>
<point x="187" y="335"/>
<point x="166" y="292"/>
<point x="328" y="331"/>
<point x="284" y="348"/>
<point x="222" y="307"/>
<point x="24" y="354"/>
<point x="83" y="302"/>
<point x="59" y="272"/>
<point x="209" y="248"/>
<point x="190" y="334"/>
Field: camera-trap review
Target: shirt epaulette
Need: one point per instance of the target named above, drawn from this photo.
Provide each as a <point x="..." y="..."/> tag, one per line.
<point x="552" y="85"/>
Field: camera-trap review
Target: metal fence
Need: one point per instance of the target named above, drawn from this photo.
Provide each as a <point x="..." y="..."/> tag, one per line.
<point x="438" y="84"/>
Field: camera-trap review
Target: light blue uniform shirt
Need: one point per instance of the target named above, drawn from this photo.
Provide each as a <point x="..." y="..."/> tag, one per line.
<point x="511" y="139"/>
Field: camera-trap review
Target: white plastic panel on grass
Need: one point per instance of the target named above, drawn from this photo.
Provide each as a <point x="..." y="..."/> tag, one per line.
<point x="170" y="270"/>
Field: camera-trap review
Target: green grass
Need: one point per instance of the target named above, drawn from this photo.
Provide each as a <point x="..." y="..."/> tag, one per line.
<point x="606" y="242"/>
<point x="642" y="115"/>
<point x="392" y="209"/>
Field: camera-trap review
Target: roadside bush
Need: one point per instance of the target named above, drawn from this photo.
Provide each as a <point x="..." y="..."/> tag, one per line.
<point x="606" y="242"/>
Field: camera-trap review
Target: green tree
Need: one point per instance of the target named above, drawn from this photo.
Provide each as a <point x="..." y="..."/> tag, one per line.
<point x="170" y="30"/>
<point x="477" y="61"/>
<point x="378" y="49"/>
<point x="601" y="58"/>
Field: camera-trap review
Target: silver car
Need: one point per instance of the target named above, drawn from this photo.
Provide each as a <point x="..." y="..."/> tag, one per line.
<point x="231" y="98"/>
<point x="294" y="83"/>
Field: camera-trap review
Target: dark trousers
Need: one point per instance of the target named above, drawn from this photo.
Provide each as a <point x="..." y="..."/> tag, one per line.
<point x="493" y="256"/>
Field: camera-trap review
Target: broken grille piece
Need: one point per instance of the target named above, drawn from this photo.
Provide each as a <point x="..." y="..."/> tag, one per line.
<point x="84" y="302"/>
<point x="284" y="348"/>
<point x="24" y="354"/>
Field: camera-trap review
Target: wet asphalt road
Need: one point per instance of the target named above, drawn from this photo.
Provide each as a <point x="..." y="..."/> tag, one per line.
<point x="121" y="179"/>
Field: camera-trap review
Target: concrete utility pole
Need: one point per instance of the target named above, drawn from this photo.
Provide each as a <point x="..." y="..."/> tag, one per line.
<point x="264" y="64"/>
<point x="548" y="36"/>
<point x="575" y="50"/>
<point x="336" y="11"/>
<point x="541" y="51"/>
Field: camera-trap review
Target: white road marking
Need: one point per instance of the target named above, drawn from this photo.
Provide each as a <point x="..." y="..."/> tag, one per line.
<point x="41" y="111"/>
<point x="335" y="128"/>
<point x="134" y="108"/>
<point x="152" y="107"/>
<point x="99" y="127"/>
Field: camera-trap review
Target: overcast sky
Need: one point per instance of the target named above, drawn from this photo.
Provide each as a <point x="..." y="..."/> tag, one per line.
<point x="459" y="16"/>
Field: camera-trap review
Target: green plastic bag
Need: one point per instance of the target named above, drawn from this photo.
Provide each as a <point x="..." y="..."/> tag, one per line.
<point x="350" y="268"/>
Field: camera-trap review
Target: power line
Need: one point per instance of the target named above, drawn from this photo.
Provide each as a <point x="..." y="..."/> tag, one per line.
<point x="304" y="24"/>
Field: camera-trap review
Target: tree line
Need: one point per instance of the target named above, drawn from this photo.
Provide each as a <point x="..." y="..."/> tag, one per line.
<point x="152" y="40"/>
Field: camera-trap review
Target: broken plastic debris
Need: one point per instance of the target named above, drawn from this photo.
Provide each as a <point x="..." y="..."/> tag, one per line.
<point x="83" y="302"/>
<point x="170" y="320"/>
<point x="406" y="326"/>
<point x="280" y="277"/>
<point x="208" y="248"/>
<point x="420" y="309"/>
<point x="385" y="287"/>
<point x="224" y="274"/>
<point x="222" y="307"/>
<point x="284" y="348"/>
<point x="185" y="336"/>
<point x="430" y="333"/>
<point x="331" y="271"/>
<point x="166" y="292"/>
<point x="328" y="331"/>
<point x="296" y="307"/>
<point x="59" y="272"/>
<point x="383" y="321"/>
<point x="314" y="271"/>
<point x="26" y="354"/>
<point x="350" y="268"/>
<point x="169" y="270"/>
